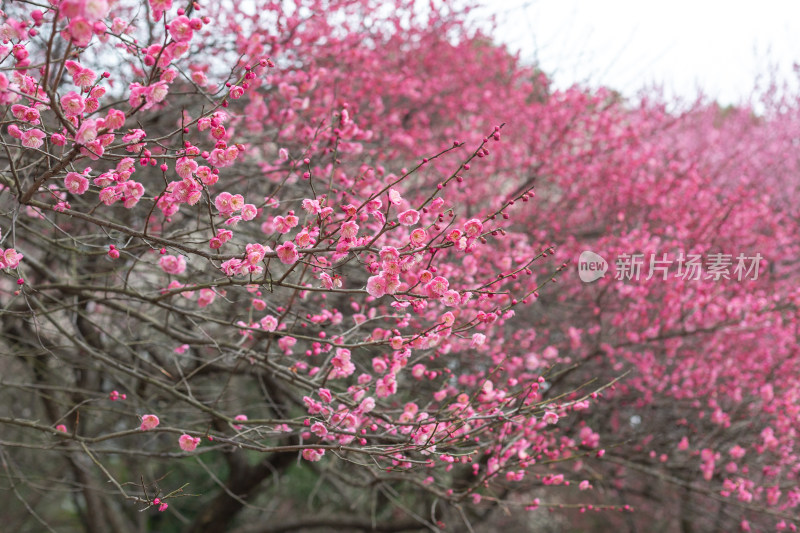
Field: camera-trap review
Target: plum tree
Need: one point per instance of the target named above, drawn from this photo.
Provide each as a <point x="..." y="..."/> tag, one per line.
<point x="318" y="258"/>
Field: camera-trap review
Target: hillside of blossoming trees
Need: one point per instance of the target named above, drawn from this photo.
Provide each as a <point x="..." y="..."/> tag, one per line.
<point x="341" y="265"/>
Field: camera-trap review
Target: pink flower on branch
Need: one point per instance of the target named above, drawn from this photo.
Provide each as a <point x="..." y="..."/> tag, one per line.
<point x="181" y="29"/>
<point x="172" y="264"/>
<point x="376" y="286"/>
<point x="76" y="183"/>
<point x="87" y="132"/>
<point x="239" y="418"/>
<point x="408" y="217"/>
<point x="158" y="8"/>
<point x="73" y="104"/>
<point x="188" y="443"/>
<point x="10" y="258"/>
<point x="79" y="31"/>
<point x="550" y="417"/>
<point x="287" y="253"/>
<point x="149" y="422"/>
<point x="313" y="454"/>
<point x="32" y="138"/>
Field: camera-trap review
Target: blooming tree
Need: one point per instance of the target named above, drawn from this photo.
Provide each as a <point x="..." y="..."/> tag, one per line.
<point x="261" y="256"/>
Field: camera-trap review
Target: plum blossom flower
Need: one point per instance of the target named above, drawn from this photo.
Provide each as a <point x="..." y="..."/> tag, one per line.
<point x="185" y="167"/>
<point x="240" y="418"/>
<point x="206" y="175"/>
<point x="451" y="298"/>
<point x="33" y="138"/>
<point x="232" y="267"/>
<point x="473" y="227"/>
<point x="269" y="323"/>
<point x="172" y="264"/>
<point x="394" y="197"/>
<point x="325" y="395"/>
<point x="92" y="104"/>
<point x="376" y="286"/>
<point x="287" y="253"/>
<point x="149" y="422"/>
<point x="236" y="92"/>
<point x="14" y="131"/>
<point x="314" y="407"/>
<point x="249" y="212"/>
<point x="367" y="405"/>
<point x="25" y="113"/>
<point x="304" y="239"/>
<point x="437" y="287"/>
<point x="386" y="386"/>
<point x="85" y="77"/>
<point x="10" y="258"/>
<point x="418" y="236"/>
<point x="206" y="297"/>
<point x="341" y="362"/>
<point x="408" y="217"/>
<point x="156" y="93"/>
<point x="319" y="429"/>
<point x="133" y="139"/>
<point x="181" y="29"/>
<point x="115" y="119"/>
<point x="389" y="254"/>
<point x="255" y="253"/>
<point x="79" y="31"/>
<point x="87" y="132"/>
<point x="13" y="29"/>
<point x="223" y="203"/>
<point x="379" y="364"/>
<point x="454" y="236"/>
<point x="188" y="443"/>
<point x="159" y="7"/>
<point x="73" y="104"/>
<point x="737" y="452"/>
<point x="313" y="454"/>
<point x="349" y="230"/>
<point x="550" y="418"/>
<point x="76" y="183"/>
<point x="311" y="207"/>
<point x="95" y="9"/>
<point x="285" y="224"/>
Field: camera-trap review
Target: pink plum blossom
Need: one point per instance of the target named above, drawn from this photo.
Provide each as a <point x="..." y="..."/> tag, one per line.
<point x="188" y="443"/>
<point x="149" y="422"/>
<point x="76" y="183"/>
<point x="408" y="217"/>
<point x="172" y="264"/>
<point x="287" y="253"/>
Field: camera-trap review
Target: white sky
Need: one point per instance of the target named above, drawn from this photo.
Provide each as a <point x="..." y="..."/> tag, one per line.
<point x="719" y="46"/>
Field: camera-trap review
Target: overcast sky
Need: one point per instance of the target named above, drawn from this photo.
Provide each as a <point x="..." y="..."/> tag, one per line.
<point x="719" y="46"/>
